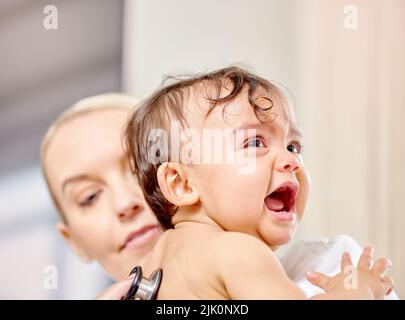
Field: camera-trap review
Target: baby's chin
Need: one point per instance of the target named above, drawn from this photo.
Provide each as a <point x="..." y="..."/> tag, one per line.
<point x="277" y="236"/>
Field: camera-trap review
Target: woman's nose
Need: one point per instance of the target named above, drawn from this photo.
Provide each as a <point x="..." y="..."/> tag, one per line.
<point x="126" y="198"/>
<point x="127" y="202"/>
<point x="287" y="162"/>
<point x="129" y="209"/>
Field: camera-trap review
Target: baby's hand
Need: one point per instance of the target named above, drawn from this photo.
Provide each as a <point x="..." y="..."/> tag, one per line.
<point x="367" y="281"/>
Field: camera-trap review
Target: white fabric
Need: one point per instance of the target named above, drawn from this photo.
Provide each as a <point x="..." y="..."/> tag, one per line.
<point x="320" y="254"/>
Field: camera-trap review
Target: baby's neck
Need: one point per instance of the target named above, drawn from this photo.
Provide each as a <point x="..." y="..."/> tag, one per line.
<point x="197" y="218"/>
<point x="186" y="224"/>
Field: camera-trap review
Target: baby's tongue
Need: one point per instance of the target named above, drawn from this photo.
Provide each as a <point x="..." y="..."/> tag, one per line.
<point x="274" y="203"/>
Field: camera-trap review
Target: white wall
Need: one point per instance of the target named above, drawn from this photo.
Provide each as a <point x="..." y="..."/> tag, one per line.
<point x="180" y="36"/>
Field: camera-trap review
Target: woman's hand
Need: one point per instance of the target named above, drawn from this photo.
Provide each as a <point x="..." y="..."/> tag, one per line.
<point x="366" y="281"/>
<point x="117" y="291"/>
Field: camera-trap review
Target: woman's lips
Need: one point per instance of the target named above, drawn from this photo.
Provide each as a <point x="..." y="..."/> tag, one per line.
<point x="140" y="237"/>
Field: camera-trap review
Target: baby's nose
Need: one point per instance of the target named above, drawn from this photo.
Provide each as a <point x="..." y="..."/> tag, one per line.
<point x="288" y="162"/>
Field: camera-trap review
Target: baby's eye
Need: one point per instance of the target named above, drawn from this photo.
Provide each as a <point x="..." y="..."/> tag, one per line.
<point x="295" y="147"/>
<point x="90" y="200"/>
<point x="256" y="142"/>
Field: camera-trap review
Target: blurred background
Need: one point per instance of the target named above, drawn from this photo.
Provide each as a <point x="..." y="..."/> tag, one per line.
<point x="343" y="61"/>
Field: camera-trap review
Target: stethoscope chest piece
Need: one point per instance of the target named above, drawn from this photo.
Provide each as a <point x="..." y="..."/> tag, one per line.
<point x="143" y="288"/>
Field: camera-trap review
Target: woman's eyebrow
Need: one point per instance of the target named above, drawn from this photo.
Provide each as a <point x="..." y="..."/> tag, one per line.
<point x="75" y="179"/>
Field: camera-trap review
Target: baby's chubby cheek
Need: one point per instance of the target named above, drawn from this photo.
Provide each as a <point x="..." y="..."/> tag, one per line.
<point x="230" y="195"/>
<point x="304" y="181"/>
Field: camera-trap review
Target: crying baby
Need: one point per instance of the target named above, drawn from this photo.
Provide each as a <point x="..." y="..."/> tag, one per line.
<point x="224" y="219"/>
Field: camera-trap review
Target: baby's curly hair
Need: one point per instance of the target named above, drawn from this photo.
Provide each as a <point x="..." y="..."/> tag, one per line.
<point x="166" y="105"/>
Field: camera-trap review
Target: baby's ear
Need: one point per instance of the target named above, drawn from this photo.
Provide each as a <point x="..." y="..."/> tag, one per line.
<point x="65" y="232"/>
<point x="175" y="185"/>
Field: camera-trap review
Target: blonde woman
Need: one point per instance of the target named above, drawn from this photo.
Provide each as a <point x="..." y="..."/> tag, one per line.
<point x="103" y="214"/>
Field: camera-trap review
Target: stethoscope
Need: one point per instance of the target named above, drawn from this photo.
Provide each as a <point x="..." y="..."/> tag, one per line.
<point x="144" y="288"/>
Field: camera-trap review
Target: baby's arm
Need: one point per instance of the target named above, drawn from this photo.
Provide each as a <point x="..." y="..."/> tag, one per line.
<point x="250" y="270"/>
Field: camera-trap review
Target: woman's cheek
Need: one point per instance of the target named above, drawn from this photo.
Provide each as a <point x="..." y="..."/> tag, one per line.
<point x="95" y="232"/>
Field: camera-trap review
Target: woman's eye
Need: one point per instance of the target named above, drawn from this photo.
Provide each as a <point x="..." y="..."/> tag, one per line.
<point x="254" y="143"/>
<point x="295" y="147"/>
<point x="90" y="200"/>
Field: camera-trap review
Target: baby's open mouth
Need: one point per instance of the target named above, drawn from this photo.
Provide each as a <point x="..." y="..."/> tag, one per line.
<point x="283" y="198"/>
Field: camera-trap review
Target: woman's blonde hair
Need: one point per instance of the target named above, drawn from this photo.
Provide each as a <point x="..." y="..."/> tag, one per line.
<point x="84" y="106"/>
